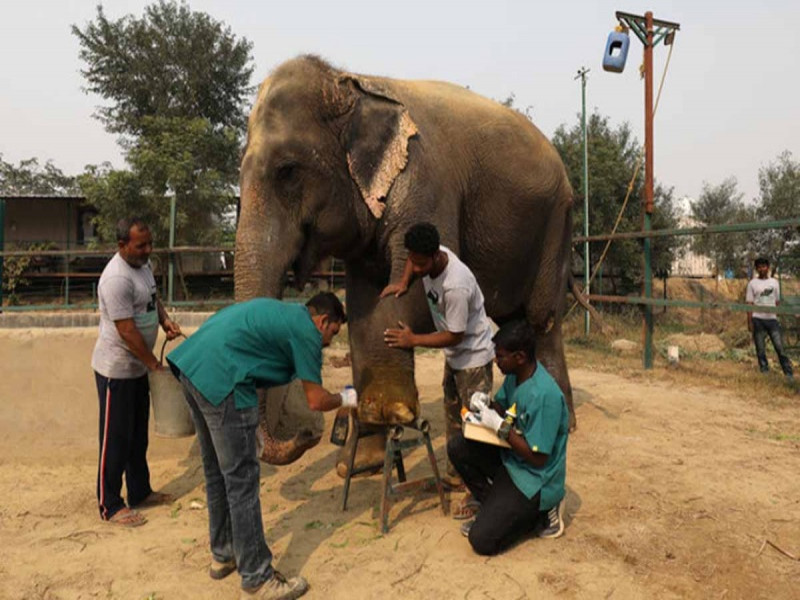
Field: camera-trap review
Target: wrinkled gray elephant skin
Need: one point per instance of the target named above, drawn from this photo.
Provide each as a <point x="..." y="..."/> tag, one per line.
<point x="339" y="164"/>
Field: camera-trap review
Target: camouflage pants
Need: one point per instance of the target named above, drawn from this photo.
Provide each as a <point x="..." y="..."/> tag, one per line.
<point x="458" y="386"/>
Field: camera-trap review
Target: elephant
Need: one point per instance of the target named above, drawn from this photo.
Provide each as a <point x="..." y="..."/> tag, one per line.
<point x="340" y="164"/>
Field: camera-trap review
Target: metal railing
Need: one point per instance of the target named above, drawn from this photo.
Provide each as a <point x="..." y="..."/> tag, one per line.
<point x="648" y="302"/>
<point x="77" y="289"/>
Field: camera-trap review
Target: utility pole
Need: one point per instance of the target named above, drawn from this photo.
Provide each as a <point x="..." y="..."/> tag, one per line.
<point x="2" y="246"/>
<point x="643" y="27"/>
<point x="171" y="264"/>
<point x="586" y="262"/>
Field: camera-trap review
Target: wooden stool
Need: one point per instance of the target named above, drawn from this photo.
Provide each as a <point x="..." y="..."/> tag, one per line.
<point x="394" y="458"/>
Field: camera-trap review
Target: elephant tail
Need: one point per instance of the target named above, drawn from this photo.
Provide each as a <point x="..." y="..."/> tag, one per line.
<point x="572" y="286"/>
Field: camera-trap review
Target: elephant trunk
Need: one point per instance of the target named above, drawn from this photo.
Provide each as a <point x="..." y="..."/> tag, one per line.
<point x="264" y="250"/>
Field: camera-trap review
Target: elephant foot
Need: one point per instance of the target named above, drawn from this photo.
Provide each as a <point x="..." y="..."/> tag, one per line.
<point x="388" y="413"/>
<point x="389" y="397"/>
<point x="369" y="454"/>
<point x="276" y="452"/>
<point x="287" y="426"/>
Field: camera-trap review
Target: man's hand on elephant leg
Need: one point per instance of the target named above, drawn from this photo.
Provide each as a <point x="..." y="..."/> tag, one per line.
<point x="394" y="289"/>
<point x="399" y="338"/>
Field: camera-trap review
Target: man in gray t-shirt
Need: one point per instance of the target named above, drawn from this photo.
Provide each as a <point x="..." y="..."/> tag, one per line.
<point x="463" y="330"/>
<point x="764" y="291"/>
<point x="130" y="314"/>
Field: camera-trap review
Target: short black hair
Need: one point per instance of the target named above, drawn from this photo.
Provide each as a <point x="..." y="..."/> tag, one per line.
<point x="326" y="303"/>
<point x="422" y="238"/>
<point x="517" y="336"/>
<point x="762" y="260"/>
<point x="125" y="225"/>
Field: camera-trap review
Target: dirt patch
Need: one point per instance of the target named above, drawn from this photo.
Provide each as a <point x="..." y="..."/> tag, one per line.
<point x="704" y="342"/>
<point x="673" y="487"/>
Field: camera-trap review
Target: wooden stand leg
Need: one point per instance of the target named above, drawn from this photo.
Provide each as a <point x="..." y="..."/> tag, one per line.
<point x="351" y="461"/>
<point x="386" y="485"/>
<point x="432" y="458"/>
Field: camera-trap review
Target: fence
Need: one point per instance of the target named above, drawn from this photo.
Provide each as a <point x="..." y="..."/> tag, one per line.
<point x="205" y="276"/>
<point x="647" y="302"/>
<point x="202" y="277"/>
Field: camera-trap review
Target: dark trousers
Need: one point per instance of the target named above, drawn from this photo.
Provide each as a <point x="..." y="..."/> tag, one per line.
<point x="227" y="438"/>
<point x="772" y="328"/>
<point x="124" y="417"/>
<point x="506" y="514"/>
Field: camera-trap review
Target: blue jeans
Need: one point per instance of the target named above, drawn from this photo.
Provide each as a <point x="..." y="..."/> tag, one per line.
<point x="771" y="327"/>
<point x="227" y="439"/>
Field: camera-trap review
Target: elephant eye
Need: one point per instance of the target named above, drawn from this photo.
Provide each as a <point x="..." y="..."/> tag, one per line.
<point x="286" y="172"/>
<point x="287" y="180"/>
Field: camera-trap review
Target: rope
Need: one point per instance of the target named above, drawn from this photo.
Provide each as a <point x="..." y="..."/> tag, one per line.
<point x="630" y="184"/>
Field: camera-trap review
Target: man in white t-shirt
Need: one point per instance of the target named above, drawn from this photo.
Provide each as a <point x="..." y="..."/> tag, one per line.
<point x="130" y="314"/>
<point x="765" y="291"/>
<point x="463" y="330"/>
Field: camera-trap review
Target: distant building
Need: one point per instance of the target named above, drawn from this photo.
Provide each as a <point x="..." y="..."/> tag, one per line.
<point x="65" y="221"/>
<point x="691" y="264"/>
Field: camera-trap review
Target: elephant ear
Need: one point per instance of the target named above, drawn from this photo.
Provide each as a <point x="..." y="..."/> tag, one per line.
<point x="376" y="141"/>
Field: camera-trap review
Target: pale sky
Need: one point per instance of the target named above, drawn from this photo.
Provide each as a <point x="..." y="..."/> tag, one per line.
<point x="729" y="106"/>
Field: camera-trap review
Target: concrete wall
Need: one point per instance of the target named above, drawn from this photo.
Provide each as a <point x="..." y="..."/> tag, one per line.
<point x="10" y="320"/>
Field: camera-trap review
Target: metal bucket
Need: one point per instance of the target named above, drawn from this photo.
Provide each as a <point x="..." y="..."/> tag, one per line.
<point x="170" y="410"/>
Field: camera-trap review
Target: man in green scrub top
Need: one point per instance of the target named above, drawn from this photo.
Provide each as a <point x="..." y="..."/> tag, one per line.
<point x="521" y="489"/>
<point x="261" y="343"/>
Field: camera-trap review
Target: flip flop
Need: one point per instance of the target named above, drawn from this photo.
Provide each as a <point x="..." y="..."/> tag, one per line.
<point x="154" y="499"/>
<point x="467" y="508"/>
<point x="125" y="517"/>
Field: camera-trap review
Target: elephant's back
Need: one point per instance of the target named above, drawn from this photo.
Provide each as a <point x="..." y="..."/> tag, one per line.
<point x="513" y="179"/>
<point x="479" y="132"/>
<point x="455" y="109"/>
<point x="510" y="179"/>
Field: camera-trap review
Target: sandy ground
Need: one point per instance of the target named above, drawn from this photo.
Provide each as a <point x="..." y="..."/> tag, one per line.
<point x="673" y="492"/>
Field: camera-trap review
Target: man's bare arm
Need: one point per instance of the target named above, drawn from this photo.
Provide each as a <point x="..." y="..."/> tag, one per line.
<point x="521" y="449"/>
<point x="170" y="327"/>
<point x="319" y="398"/>
<point x="133" y="339"/>
<point x="401" y="287"/>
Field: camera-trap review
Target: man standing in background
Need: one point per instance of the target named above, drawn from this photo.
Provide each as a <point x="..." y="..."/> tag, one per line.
<point x="130" y="314"/>
<point x="765" y="291"/>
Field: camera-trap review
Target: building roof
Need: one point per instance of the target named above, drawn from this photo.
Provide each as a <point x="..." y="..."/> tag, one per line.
<point x="41" y="197"/>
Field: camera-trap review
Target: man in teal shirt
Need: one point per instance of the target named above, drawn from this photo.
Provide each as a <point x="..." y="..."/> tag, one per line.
<point x="261" y="343"/>
<point x="521" y="489"/>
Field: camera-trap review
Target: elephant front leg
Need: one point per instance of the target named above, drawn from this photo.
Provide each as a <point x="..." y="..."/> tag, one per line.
<point x="287" y="427"/>
<point x="382" y="376"/>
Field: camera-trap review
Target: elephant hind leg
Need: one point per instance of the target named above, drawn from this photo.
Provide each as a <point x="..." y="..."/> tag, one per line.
<point x="547" y="302"/>
<point x="550" y="352"/>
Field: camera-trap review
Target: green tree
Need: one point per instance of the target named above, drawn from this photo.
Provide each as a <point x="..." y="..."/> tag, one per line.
<point x="177" y="81"/>
<point x="779" y="184"/>
<point x="721" y="205"/>
<point x="172" y="62"/>
<point x="613" y="154"/>
<point x="30" y="178"/>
